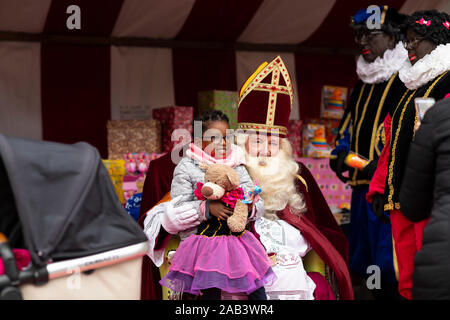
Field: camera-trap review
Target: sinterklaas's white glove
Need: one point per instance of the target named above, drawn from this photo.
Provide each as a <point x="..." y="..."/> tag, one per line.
<point x="176" y="219"/>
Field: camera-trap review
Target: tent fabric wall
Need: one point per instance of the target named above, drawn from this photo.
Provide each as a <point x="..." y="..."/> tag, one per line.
<point x="24" y="15"/>
<point x="20" y="91"/>
<point x="141" y="77"/>
<point x="315" y="71"/>
<point x="285" y="21"/>
<point x="75" y="80"/>
<point x="411" y="6"/>
<point x="222" y="20"/>
<point x="152" y="18"/>
<point x="67" y="92"/>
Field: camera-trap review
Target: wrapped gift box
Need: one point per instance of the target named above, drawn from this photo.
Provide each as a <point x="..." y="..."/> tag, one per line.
<point x="126" y="136"/>
<point x="334" y="100"/>
<point x="173" y="118"/>
<point x="295" y="137"/>
<point x="314" y="143"/>
<point x="225" y="101"/>
<point x="336" y="193"/>
<point x="116" y="170"/>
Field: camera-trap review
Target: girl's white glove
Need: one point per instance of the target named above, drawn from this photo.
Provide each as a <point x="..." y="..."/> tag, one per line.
<point x="176" y="219"/>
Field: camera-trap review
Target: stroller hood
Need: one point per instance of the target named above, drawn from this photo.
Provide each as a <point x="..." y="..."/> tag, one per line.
<point x="65" y="200"/>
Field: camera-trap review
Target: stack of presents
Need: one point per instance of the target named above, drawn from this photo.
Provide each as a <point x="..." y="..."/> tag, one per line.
<point x="132" y="144"/>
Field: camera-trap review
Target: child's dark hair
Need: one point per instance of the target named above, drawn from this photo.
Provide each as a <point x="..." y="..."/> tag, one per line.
<point x="210" y="116"/>
<point x="436" y="31"/>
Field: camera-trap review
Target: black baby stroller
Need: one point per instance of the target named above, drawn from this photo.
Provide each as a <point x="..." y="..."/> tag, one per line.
<point x="57" y="201"/>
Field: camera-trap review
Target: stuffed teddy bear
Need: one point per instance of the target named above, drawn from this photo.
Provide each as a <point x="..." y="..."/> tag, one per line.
<point x="222" y="183"/>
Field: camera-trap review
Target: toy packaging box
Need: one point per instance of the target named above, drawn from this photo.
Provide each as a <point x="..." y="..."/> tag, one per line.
<point x="132" y="185"/>
<point x="136" y="167"/>
<point x="314" y="143"/>
<point x="331" y="128"/>
<point x="225" y="101"/>
<point x="172" y="118"/>
<point x="334" y="100"/>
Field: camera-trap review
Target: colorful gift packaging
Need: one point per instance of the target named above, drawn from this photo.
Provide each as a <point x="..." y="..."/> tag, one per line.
<point x="136" y="166"/>
<point x="126" y="136"/>
<point x="116" y="170"/>
<point x="173" y="118"/>
<point x="137" y="163"/>
<point x="331" y="128"/>
<point x="334" y="100"/>
<point x="314" y="143"/>
<point x="225" y="101"/>
<point x="336" y="193"/>
<point x="294" y="136"/>
<point x="132" y="185"/>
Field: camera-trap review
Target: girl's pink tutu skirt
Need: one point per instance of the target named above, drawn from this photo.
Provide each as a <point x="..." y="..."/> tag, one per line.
<point x="233" y="264"/>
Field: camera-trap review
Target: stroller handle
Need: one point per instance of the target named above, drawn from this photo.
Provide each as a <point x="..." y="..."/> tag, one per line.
<point x="68" y="267"/>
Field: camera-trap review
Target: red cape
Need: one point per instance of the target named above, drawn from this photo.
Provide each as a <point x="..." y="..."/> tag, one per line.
<point x="317" y="225"/>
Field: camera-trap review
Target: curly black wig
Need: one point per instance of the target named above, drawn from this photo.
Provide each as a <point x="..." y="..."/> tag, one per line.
<point x="432" y="27"/>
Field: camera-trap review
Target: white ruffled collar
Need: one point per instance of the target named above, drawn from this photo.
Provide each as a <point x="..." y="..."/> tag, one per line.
<point x="382" y="69"/>
<point x="426" y="69"/>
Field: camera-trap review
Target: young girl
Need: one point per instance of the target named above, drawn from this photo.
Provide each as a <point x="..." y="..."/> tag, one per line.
<point x="209" y="262"/>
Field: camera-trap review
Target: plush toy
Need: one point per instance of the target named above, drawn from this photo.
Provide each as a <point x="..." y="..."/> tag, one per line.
<point x="222" y="182"/>
<point x="142" y="166"/>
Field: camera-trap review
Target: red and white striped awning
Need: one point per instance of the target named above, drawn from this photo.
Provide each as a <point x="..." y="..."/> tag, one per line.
<point x="66" y="91"/>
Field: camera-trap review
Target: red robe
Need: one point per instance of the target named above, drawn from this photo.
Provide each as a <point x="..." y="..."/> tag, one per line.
<point x="317" y="225"/>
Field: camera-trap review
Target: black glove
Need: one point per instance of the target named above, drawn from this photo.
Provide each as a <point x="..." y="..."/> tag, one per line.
<point x="378" y="208"/>
<point x="338" y="165"/>
<point x="369" y="170"/>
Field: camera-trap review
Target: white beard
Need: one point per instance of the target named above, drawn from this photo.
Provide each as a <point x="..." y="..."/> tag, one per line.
<point x="276" y="176"/>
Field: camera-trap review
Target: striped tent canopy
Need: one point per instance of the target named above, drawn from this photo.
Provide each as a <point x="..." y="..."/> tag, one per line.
<point x="64" y="84"/>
